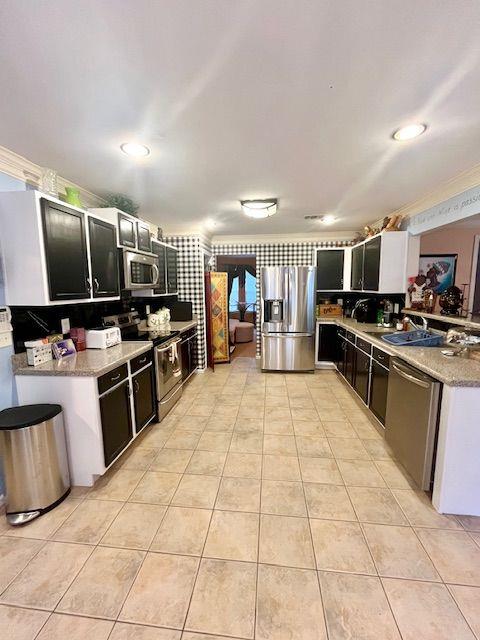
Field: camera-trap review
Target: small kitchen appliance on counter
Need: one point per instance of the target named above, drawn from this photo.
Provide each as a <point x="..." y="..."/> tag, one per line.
<point x="288" y="318"/>
<point x="103" y="337"/>
<point x="365" y="310"/>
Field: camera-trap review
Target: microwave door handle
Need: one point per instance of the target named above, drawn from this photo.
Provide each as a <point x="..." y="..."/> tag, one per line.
<point x="155" y="273"/>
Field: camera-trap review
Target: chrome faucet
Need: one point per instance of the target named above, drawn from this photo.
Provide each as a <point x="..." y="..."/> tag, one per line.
<point x="424" y="323"/>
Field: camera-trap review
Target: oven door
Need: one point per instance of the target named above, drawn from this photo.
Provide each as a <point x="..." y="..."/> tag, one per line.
<point x="168" y="362"/>
<point x="140" y="271"/>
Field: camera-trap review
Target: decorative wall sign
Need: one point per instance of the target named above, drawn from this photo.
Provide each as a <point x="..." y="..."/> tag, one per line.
<point x="439" y="271"/>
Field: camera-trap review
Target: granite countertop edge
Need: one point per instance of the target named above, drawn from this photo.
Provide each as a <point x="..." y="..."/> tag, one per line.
<point x="79" y="365"/>
<point x="454" y="372"/>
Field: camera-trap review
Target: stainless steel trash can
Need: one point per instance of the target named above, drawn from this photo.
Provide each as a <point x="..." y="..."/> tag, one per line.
<point x="35" y="463"/>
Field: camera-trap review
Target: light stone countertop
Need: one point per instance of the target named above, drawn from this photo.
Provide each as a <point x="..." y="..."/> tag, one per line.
<point x="183" y="325"/>
<point x="453" y="371"/>
<point x="88" y="363"/>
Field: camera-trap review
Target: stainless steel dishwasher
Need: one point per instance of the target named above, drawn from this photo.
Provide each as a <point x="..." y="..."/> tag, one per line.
<point x="412" y="419"/>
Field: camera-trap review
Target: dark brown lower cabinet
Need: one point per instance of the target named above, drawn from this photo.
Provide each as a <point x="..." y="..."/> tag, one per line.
<point x="144" y="397"/>
<point x="379" y="391"/>
<point x="116" y="421"/>
<point x="362" y="374"/>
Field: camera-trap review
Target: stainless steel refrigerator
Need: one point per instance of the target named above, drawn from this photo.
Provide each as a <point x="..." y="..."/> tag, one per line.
<point x="288" y="318"/>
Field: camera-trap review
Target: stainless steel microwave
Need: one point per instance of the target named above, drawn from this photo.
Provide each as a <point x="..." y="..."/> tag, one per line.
<point x="139" y="270"/>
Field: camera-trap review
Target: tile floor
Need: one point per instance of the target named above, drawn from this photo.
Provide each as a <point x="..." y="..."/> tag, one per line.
<point x="264" y="506"/>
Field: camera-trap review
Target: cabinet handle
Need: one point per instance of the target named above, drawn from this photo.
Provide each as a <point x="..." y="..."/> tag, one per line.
<point x="97" y="285"/>
<point x="137" y="386"/>
<point x="142" y="360"/>
<point x="115" y="377"/>
<point x="89" y="284"/>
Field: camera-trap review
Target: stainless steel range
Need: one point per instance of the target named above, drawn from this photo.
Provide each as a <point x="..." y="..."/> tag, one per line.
<point x="167" y="357"/>
<point x="288" y="318"/>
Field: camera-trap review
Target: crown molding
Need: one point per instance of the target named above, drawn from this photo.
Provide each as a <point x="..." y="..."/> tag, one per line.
<point x="23" y="169"/>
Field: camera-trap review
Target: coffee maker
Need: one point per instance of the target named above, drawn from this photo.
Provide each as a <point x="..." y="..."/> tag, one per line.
<point x="365" y="310"/>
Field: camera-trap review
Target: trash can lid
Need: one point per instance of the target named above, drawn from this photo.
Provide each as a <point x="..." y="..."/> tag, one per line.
<point x="27" y="415"/>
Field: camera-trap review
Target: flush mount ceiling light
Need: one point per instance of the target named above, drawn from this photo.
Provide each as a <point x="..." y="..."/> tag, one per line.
<point x="135" y="150"/>
<point x="259" y="208"/>
<point x="409" y="132"/>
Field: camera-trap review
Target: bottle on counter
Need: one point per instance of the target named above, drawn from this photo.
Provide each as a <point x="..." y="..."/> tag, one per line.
<point x="406" y="323"/>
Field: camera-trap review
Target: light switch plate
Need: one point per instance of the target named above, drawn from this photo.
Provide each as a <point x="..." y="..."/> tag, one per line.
<point x="65" y="325"/>
<point x="5" y="339"/>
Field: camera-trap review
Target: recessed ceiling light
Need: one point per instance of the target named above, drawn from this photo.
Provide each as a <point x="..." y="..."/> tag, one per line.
<point x="409" y="132"/>
<point x="134" y="149"/>
<point x="259" y="208"/>
<point x="328" y="219"/>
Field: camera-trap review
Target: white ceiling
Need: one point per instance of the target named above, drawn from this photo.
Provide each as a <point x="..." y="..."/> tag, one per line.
<point x="244" y="98"/>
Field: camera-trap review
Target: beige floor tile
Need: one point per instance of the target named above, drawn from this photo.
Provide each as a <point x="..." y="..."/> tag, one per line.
<point x="194" y="424"/>
<point x="301" y="402"/>
<point x="340" y="546"/>
<point x="20" y="624"/>
<point x="283" y="498"/>
<point x="188" y="635"/>
<point x="221" y="423"/>
<point x="328" y="501"/>
<point x="127" y="631"/>
<point x="43" y="528"/>
<point x="322" y="470"/>
<point x="154" y="438"/>
<point x="421" y="513"/>
<point x="281" y="468"/>
<point x="315" y="446"/>
<point x="454" y="554"/>
<point x="183" y="530"/>
<point x="156" y="487"/>
<point x="288" y="605"/>
<point x="308" y="428"/>
<point x="214" y="441"/>
<point x="102" y="585"/>
<point x="224" y="410"/>
<point x="135" y="526"/>
<point x="356" y="608"/>
<point x="468" y="599"/>
<point x="426" y="611"/>
<point x="196" y="491"/>
<point x="46" y="578"/>
<point x="398" y="553"/>
<point x="89" y="521"/>
<point x="207" y="463"/>
<point x="276" y="401"/>
<point x="277" y="413"/>
<point x="378" y="449"/>
<point x="339" y="429"/>
<point x="331" y="414"/>
<point x="286" y="541"/>
<point x="348" y="449"/>
<point x="172" y="460"/>
<point x="233" y="535"/>
<point x="239" y="494"/>
<point x="376" y="505"/>
<point x="279" y="426"/>
<point x="395" y="475"/>
<point x="360" y="473"/>
<point x="138" y="458"/>
<point x="249" y="410"/>
<point x="161" y="591"/>
<point x="61" y="627"/>
<point x="243" y="465"/>
<point x="366" y="431"/>
<point x="247" y="442"/>
<point x="117" y="485"/>
<point x="470" y="523"/>
<point x="202" y="410"/>
<point x="274" y="444"/>
<point x="183" y="440"/>
<point x="223" y="600"/>
<point x="14" y="556"/>
<point x="304" y="414"/>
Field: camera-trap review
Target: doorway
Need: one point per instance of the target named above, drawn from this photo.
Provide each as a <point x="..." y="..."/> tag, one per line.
<point x="242" y="303"/>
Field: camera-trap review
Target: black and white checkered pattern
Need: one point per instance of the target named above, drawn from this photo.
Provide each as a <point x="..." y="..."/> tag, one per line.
<point x="191" y="281"/>
<point x="291" y="254"/>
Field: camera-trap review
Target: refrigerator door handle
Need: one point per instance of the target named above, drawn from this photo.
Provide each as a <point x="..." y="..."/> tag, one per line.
<point x="288" y="335"/>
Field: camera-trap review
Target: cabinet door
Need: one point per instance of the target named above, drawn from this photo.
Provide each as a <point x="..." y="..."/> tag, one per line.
<point x="192" y="346"/>
<point x="362" y="374"/>
<point x="143" y="397"/>
<point x="327" y="343"/>
<point x="116" y="421"/>
<point x="330" y="269"/>
<point x="340" y="360"/>
<point x="126" y="231"/>
<point x="103" y="258"/>
<point x="65" y="252"/>
<point x="349" y="362"/>
<point x="371" y="264"/>
<point x="159" y="250"/>
<point x="172" y="285"/>
<point x="144" y="240"/>
<point x="185" y="350"/>
<point x="357" y="268"/>
<point x="379" y="391"/>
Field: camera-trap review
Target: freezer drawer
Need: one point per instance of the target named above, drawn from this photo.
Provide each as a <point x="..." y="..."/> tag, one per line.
<point x="288" y="352"/>
<point x="411" y="419"/>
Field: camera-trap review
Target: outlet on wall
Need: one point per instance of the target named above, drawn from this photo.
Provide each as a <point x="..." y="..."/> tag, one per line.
<point x="65" y="325"/>
<point x="5" y="339"/>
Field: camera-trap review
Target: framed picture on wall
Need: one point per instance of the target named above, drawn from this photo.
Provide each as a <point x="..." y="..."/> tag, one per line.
<point x="439" y="270"/>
